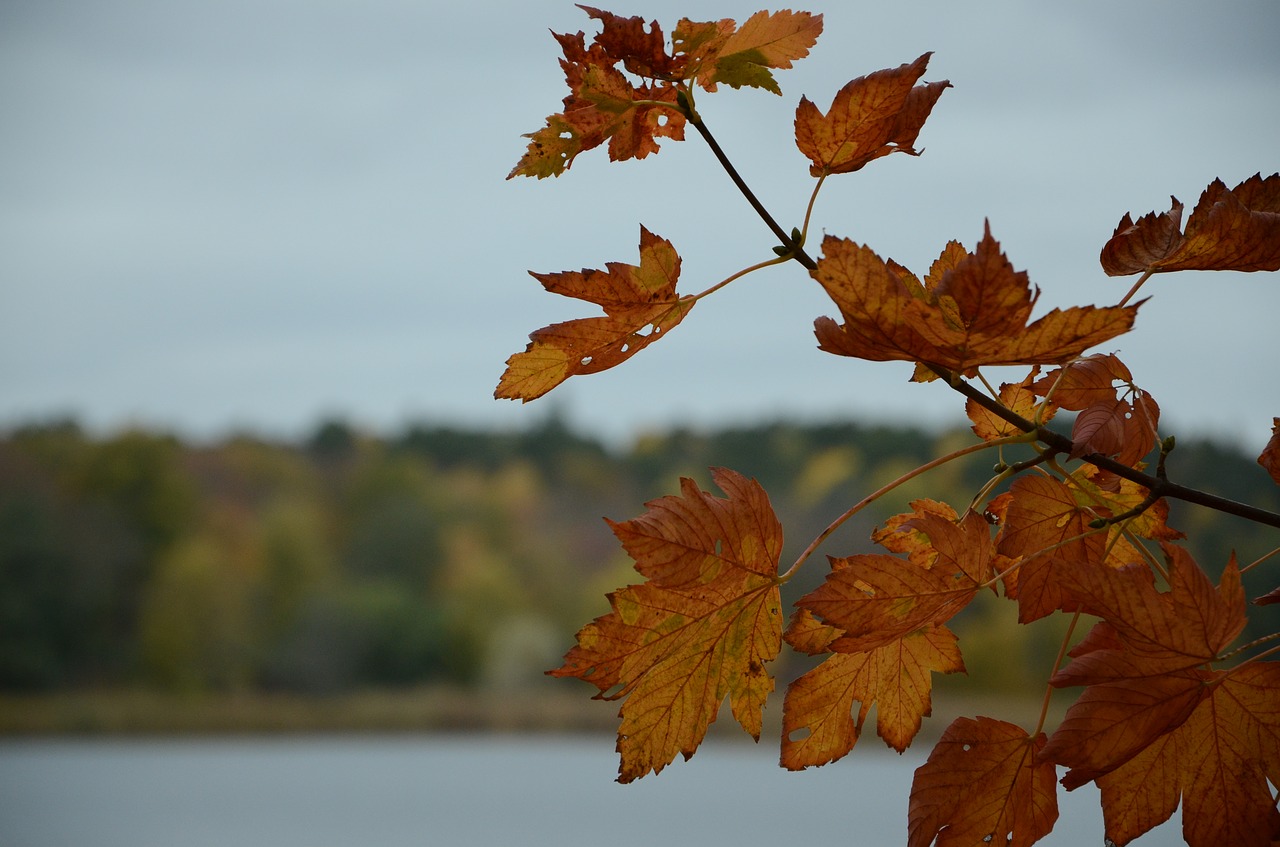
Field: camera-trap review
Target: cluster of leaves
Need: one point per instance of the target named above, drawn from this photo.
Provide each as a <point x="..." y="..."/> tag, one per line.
<point x="1169" y="711"/>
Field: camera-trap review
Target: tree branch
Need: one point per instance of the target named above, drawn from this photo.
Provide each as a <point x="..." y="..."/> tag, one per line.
<point x="792" y="246"/>
<point x="1062" y="444"/>
<point x="1055" y="441"/>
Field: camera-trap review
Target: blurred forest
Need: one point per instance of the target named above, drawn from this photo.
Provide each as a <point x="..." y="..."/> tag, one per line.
<point x="439" y="554"/>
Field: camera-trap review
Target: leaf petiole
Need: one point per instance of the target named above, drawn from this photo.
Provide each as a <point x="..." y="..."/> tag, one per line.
<point x="758" y="266"/>
<point x="1255" y="643"/>
<point x="1057" y="663"/>
<point x="1132" y="291"/>
<point x="1259" y="560"/>
<point x="808" y="211"/>
<point x="883" y="490"/>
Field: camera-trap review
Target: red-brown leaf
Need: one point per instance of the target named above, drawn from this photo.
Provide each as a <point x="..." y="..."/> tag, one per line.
<point x="982" y="785"/>
<point x="1162" y="632"/>
<point x="1113" y="721"/>
<point x="877" y="599"/>
<point x="976" y="314"/>
<point x="1219" y="761"/>
<point x="1116" y="417"/>
<point x="640" y="304"/>
<point x="870" y="117"/>
<point x="1042" y="515"/>
<point x="1235" y="229"/>
<point x="1270" y="456"/>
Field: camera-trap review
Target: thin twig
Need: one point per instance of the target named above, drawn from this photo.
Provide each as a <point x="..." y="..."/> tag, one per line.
<point x="794" y="250"/>
<point x="876" y="495"/>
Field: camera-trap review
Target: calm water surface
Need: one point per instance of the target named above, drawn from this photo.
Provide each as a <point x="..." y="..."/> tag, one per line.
<point x="513" y="791"/>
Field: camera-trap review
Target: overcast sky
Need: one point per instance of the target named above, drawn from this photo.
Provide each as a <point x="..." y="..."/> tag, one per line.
<point x="223" y="215"/>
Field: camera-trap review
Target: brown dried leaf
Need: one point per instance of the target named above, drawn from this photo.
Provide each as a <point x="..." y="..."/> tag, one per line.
<point x="976" y="314"/>
<point x="872" y="116"/>
<point x="1270" y="456"/>
<point x="640" y="304"/>
<point x="818" y="721"/>
<point x="1235" y="229"/>
<point x="699" y="629"/>
<point x="983" y="784"/>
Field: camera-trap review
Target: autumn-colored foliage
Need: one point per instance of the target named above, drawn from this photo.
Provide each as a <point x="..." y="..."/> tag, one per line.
<point x="1170" y="711"/>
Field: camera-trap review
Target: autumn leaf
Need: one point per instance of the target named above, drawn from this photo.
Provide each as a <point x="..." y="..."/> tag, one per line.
<point x="641" y="50"/>
<point x="1235" y="229"/>
<point x="640" y="305"/>
<point x="818" y="721"/>
<point x="1116" y="417"/>
<point x="876" y="599"/>
<point x="983" y="784"/>
<point x="1018" y="398"/>
<point x="603" y="105"/>
<point x="1158" y="632"/>
<point x="700" y="628"/>
<point x="1044" y="527"/>
<point x="973" y="313"/>
<point x="1218" y="761"/>
<point x="872" y="116"/>
<point x="1270" y="456"/>
<point x="744" y="57"/>
<point x="624" y="89"/>
<point x="1143" y="663"/>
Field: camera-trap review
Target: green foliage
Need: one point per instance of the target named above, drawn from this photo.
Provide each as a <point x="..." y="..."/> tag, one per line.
<point x="429" y="555"/>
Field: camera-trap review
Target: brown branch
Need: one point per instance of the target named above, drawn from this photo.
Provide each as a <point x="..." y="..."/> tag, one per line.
<point x="1060" y="443"/>
<point x="793" y="247"/>
<point x="1055" y="441"/>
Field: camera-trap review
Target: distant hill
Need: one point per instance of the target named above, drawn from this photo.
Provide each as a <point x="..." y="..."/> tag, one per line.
<point x="436" y="553"/>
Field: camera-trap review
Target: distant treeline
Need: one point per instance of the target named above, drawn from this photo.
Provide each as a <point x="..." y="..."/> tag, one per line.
<point x="437" y="554"/>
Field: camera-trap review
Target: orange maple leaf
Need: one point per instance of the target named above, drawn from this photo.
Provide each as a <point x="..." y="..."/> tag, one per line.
<point x="1270" y="456"/>
<point x="1219" y="761"/>
<point x="983" y="784"/>
<point x="1116" y="417"/>
<point x="872" y="116"/>
<point x="1142" y="664"/>
<point x="1018" y="398"/>
<point x="1047" y="525"/>
<point x="640" y="305"/>
<point x="743" y="57"/>
<point x="1042" y="514"/>
<point x="604" y="104"/>
<point x="974" y="311"/>
<point x="1235" y="229"/>
<point x="1156" y="632"/>
<point x="876" y="599"/>
<point x="817" y="715"/>
<point x="699" y="629"/>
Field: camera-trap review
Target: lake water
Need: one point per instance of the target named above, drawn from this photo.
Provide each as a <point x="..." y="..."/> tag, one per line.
<point x="456" y="791"/>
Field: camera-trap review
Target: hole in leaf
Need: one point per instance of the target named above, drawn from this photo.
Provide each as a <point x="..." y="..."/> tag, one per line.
<point x="967" y="747"/>
<point x="800" y="733"/>
<point x="586" y="360"/>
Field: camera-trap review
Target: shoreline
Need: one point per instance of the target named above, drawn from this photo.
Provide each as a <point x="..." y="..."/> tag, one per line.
<point x="444" y="709"/>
